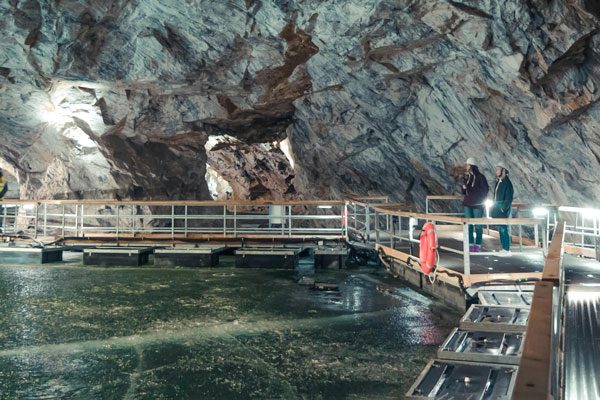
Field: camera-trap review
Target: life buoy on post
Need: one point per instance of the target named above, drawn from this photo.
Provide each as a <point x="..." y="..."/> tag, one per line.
<point x="428" y="248"/>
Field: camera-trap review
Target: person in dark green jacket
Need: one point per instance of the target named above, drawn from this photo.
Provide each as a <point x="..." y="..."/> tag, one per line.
<point x="502" y="208"/>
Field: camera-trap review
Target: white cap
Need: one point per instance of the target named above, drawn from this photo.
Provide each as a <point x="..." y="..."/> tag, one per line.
<point x="501" y="165"/>
<point x="471" y="161"/>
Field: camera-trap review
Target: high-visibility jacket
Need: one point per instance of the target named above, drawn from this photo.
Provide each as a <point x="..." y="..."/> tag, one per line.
<point x="3" y="188"/>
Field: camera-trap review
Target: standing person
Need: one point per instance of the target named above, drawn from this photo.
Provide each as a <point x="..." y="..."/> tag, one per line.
<point x="475" y="188"/>
<point x="3" y="190"/>
<point x="503" y="198"/>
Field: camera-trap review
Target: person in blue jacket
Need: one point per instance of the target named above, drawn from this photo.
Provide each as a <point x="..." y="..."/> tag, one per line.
<point x="502" y="208"/>
<point x="475" y="188"/>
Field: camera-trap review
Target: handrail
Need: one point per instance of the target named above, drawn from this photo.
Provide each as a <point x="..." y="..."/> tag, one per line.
<point x="515" y="204"/>
<point x="187" y="219"/>
<point x="535" y="368"/>
<point x="180" y="202"/>
<point x="358" y="197"/>
<point x="444" y="197"/>
<point x="460" y="220"/>
<point x="553" y="262"/>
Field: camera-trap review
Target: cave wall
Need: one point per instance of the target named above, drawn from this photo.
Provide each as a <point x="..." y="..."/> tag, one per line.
<point x="123" y="99"/>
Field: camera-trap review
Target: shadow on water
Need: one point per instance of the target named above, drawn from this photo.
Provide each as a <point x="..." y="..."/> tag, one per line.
<point x="68" y="331"/>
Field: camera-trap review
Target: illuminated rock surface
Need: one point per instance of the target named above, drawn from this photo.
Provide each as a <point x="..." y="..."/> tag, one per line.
<point x="118" y="99"/>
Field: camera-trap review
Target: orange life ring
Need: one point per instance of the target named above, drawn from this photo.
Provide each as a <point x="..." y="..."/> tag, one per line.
<point x="428" y="248"/>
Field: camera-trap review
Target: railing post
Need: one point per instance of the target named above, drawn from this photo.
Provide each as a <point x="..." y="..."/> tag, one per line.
<point x="466" y="253"/>
<point x="520" y="238"/>
<point x="133" y="210"/>
<point x="63" y="220"/>
<point x="118" y="220"/>
<point x="45" y="218"/>
<point x="345" y="220"/>
<point x="76" y="220"/>
<point x="391" y="229"/>
<point x="172" y="222"/>
<point x="399" y="228"/>
<point x="376" y="228"/>
<point x="597" y="237"/>
<point x="36" y="220"/>
<point x="536" y="235"/>
<point x="545" y="240"/>
<point x="387" y="222"/>
<point x="225" y="220"/>
<point x="367" y="223"/>
<point x="289" y="220"/>
<point x="235" y="220"/>
<point x="582" y="231"/>
<point x="4" y="224"/>
<point x="426" y="205"/>
<point x="185" y="223"/>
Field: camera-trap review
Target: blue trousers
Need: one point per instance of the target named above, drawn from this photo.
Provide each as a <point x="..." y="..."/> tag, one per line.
<point x="474" y="213"/>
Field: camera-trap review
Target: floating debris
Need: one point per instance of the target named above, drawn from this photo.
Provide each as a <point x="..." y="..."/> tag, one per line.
<point x="306" y="281"/>
<point x="327" y="286"/>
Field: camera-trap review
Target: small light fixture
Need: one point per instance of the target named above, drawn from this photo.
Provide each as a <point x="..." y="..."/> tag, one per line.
<point x="28" y="207"/>
<point x="540" y="212"/>
<point x="324" y="206"/>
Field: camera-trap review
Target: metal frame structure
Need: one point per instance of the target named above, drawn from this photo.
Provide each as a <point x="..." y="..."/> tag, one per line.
<point x="174" y="219"/>
<point x="412" y="220"/>
<point x="466" y="322"/>
<point x="414" y="396"/>
<point x="444" y="352"/>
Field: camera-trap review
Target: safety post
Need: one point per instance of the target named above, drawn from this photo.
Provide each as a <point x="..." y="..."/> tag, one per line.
<point x="466" y="253"/>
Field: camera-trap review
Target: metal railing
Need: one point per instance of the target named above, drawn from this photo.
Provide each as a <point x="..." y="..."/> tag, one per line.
<point x="549" y="212"/>
<point x="382" y="222"/>
<point x="174" y="219"/>
<point x="360" y="214"/>
<point x="582" y="228"/>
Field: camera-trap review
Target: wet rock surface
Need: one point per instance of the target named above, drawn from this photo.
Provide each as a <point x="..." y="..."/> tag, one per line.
<point x="77" y="332"/>
<point x="381" y="96"/>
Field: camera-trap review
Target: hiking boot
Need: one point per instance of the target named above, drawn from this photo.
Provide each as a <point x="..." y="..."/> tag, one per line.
<point x="471" y="248"/>
<point x="477" y="248"/>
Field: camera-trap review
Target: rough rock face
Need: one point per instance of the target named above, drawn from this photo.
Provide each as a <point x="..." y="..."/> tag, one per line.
<point x="118" y="99"/>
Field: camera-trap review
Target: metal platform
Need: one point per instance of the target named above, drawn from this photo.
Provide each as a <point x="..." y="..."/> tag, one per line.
<point x="30" y="255"/>
<point x="495" y="347"/>
<point x="515" y="296"/>
<point x="266" y="258"/>
<point x="507" y="319"/>
<point x="205" y="256"/>
<point x="116" y="256"/>
<point x="453" y="380"/>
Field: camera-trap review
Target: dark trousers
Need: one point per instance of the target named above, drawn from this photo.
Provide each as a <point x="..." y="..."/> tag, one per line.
<point x="475" y="213"/>
<point x="505" y="238"/>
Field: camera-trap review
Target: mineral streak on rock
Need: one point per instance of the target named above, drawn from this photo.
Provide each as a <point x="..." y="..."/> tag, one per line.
<point x="118" y="99"/>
